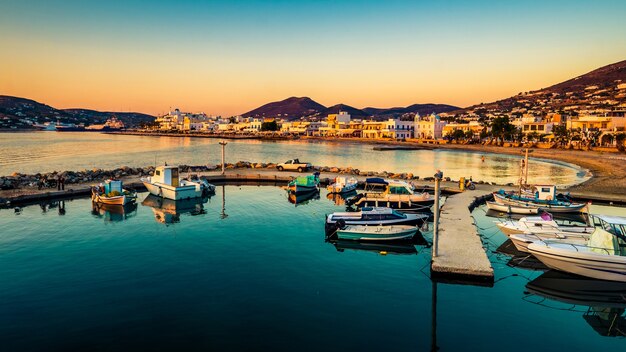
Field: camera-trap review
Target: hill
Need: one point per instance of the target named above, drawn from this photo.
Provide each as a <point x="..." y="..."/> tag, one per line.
<point x="289" y="108"/>
<point x="596" y="91"/>
<point x="16" y="112"/>
<point x="422" y="109"/>
<point x="354" y="112"/>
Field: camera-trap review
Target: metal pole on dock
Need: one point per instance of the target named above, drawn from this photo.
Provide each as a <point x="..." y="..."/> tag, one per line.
<point x="438" y="177"/>
<point x="223" y="144"/>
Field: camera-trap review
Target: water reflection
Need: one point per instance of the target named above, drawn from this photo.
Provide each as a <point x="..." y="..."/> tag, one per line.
<point x="113" y="212"/>
<point x="303" y="198"/>
<point x="605" y="301"/>
<point x="168" y="211"/>
<point x="340" y="198"/>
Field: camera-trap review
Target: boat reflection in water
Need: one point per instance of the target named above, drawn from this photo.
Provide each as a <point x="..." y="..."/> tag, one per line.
<point x="383" y="248"/>
<point x="605" y="301"/>
<point x="303" y="198"/>
<point x="340" y="198"/>
<point x="168" y="211"/>
<point x="114" y="212"/>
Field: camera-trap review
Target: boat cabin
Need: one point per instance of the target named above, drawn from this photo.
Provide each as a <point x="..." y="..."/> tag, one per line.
<point x="167" y="175"/>
<point x="379" y="185"/>
<point x="113" y="186"/>
<point x="544" y="192"/>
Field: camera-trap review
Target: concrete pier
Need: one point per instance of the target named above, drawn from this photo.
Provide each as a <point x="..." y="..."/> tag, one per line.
<point x="460" y="250"/>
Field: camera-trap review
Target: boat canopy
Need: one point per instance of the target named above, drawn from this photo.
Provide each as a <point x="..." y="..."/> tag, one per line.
<point x="376" y="180"/>
<point x="307" y="181"/>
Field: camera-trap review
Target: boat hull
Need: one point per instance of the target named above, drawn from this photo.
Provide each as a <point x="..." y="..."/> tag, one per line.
<point x="341" y="188"/>
<point x="573" y="208"/>
<point x="372" y="236"/>
<point x="522" y="241"/>
<point x="512" y="209"/>
<point x="597" y="266"/>
<point x="174" y="193"/>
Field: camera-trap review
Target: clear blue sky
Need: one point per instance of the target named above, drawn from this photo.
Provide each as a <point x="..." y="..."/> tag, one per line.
<point x="229" y="57"/>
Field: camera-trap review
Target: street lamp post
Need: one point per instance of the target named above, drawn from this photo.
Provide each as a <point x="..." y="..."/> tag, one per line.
<point x="223" y="144"/>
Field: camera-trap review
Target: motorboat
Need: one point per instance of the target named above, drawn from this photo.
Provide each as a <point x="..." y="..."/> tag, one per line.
<point x="112" y="192"/>
<point x="539" y="225"/>
<point x="168" y="211"/>
<point x="522" y="240"/>
<point x="376" y="232"/>
<point x="165" y="183"/>
<point x="395" y="194"/>
<point x="304" y="184"/>
<point x="525" y="209"/>
<point x="373" y="216"/>
<point x="543" y="196"/>
<point x="602" y="257"/>
<point x="343" y="185"/>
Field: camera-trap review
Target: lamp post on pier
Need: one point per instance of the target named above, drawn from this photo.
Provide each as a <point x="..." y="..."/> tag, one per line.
<point x="223" y="144"/>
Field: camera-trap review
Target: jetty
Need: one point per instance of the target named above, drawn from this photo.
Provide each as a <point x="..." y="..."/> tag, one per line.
<point x="459" y="249"/>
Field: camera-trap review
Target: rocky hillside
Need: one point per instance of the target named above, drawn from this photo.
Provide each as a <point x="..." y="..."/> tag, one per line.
<point x="18" y="112"/>
<point x="293" y="107"/>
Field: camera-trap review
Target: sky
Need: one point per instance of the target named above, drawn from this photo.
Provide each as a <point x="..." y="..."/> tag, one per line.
<point x="226" y="58"/>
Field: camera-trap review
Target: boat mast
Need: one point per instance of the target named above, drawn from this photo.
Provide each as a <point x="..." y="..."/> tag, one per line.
<point x="526" y="171"/>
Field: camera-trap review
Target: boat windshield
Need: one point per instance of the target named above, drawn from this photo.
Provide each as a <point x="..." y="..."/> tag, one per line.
<point x="398" y="190"/>
<point x="399" y="214"/>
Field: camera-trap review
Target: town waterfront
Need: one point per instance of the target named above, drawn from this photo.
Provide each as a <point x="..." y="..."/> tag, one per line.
<point x="33" y="152"/>
<point x="251" y="271"/>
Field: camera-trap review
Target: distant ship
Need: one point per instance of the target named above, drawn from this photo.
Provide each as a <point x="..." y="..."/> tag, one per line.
<point x="112" y="124"/>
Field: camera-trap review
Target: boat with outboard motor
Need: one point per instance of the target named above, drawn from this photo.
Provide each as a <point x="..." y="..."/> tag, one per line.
<point x="395" y="194"/>
<point x="543" y="196"/>
<point x="343" y="185"/>
<point x="166" y="183"/>
<point x="602" y="257"/>
<point x="543" y="224"/>
<point x="373" y="216"/>
<point x="524" y="209"/>
<point x="112" y="192"/>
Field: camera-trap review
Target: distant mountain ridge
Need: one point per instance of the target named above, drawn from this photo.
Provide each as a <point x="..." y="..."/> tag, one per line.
<point x="13" y="110"/>
<point x="296" y="107"/>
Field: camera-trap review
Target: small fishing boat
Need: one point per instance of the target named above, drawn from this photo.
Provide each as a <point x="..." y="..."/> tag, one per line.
<point x="373" y="216"/>
<point x="112" y="192"/>
<point x="602" y="257"/>
<point x="395" y="194"/>
<point x="513" y="208"/>
<point x="376" y="233"/>
<point x="304" y="184"/>
<point x="539" y="225"/>
<point x="343" y="185"/>
<point x="521" y="241"/>
<point x="165" y="183"/>
<point x="545" y="197"/>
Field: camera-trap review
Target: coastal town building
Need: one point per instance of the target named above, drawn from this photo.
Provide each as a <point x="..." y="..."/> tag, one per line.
<point x="429" y="127"/>
<point x="473" y="126"/>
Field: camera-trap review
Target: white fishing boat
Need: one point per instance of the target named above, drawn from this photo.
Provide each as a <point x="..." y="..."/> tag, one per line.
<point x="540" y="225"/>
<point x="343" y="185"/>
<point x="112" y="192"/>
<point x="376" y="233"/>
<point x="513" y="208"/>
<point x="395" y="194"/>
<point x="602" y="257"/>
<point x="165" y="183"/>
<point x="521" y="241"/>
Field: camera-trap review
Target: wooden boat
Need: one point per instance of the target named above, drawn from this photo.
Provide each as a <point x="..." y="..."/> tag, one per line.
<point x="544" y="197"/>
<point x="513" y="208"/>
<point x="343" y="185"/>
<point x="165" y="183"/>
<point x="304" y="184"/>
<point x="376" y="233"/>
<point x="112" y="192"/>
<point x="602" y="257"/>
<point x="540" y="225"/>
<point x="395" y="194"/>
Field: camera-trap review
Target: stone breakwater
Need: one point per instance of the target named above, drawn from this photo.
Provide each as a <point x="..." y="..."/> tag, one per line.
<point x="19" y="180"/>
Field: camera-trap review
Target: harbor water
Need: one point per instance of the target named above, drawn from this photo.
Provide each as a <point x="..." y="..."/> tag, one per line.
<point x="33" y="152"/>
<point x="249" y="270"/>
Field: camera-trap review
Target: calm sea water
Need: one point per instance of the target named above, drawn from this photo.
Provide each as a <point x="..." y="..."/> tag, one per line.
<point x="48" y="151"/>
<point x="248" y="270"/>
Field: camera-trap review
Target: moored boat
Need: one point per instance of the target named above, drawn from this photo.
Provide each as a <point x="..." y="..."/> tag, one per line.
<point x="395" y="194"/>
<point x="513" y="208"/>
<point x="112" y="192"/>
<point x="304" y="184"/>
<point x="166" y="183"/>
<point x="376" y="233"/>
<point x="373" y="216"/>
<point x="544" y="197"/>
<point x="539" y="225"/>
<point x="521" y="241"/>
<point x="602" y="257"/>
<point x="343" y="185"/>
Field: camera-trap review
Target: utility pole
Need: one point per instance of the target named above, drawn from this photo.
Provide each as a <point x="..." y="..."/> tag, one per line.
<point x="223" y="144"/>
